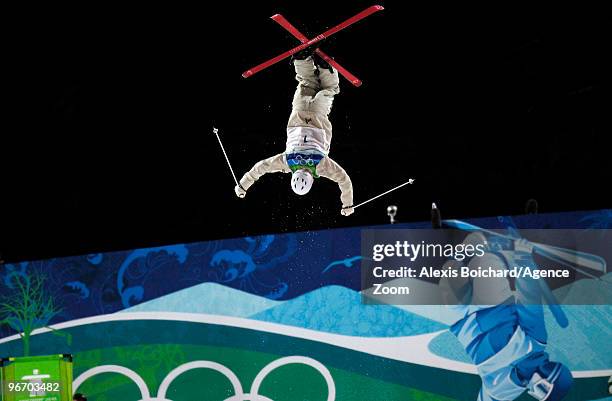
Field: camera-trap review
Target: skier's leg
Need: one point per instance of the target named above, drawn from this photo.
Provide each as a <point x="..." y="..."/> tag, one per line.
<point x="329" y="79"/>
<point x="329" y="84"/>
<point x="308" y="83"/>
<point x="317" y="86"/>
<point x="311" y="102"/>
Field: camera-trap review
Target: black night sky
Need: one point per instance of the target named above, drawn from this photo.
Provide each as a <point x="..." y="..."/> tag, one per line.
<point x="112" y="146"/>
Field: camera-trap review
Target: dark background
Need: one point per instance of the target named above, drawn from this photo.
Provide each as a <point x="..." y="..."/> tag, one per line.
<point x="112" y="146"/>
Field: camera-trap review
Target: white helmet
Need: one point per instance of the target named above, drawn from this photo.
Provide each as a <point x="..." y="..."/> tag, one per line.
<point x="301" y="181"/>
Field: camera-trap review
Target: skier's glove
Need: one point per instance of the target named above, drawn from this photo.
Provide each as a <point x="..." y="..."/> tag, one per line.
<point x="240" y="192"/>
<point x="347" y="211"/>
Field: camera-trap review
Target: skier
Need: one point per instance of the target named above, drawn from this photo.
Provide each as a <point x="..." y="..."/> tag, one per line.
<point x="309" y="134"/>
<point x="503" y="331"/>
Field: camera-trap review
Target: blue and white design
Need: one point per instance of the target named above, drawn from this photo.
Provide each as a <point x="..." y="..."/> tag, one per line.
<point x="306" y="286"/>
<point x="304" y="159"/>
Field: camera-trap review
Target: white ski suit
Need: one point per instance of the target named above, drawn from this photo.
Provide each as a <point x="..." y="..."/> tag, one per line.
<point x="309" y="132"/>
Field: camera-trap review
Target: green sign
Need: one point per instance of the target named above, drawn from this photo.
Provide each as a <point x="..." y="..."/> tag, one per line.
<point x="37" y="378"/>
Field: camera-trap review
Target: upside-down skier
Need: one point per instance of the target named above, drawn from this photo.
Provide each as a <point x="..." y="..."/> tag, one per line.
<point x="503" y="331"/>
<point x="309" y="134"/>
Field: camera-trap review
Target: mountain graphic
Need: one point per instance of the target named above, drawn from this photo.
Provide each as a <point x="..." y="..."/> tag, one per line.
<point x="208" y="298"/>
<point x="332" y="309"/>
<point x="336" y="309"/>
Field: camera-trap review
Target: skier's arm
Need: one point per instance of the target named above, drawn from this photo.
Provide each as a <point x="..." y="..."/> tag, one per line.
<point x="334" y="172"/>
<point x="274" y="164"/>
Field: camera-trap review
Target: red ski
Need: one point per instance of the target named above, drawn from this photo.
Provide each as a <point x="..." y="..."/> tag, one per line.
<point x="365" y="13"/>
<point x="282" y="21"/>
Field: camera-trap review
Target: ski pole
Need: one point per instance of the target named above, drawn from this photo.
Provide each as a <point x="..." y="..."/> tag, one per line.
<point x="216" y="131"/>
<point x="410" y="181"/>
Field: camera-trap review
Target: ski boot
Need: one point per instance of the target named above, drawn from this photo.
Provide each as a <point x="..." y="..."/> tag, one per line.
<point x="304" y="53"/>
<point x="320" y="63"/>
<point x="311" y="52"/>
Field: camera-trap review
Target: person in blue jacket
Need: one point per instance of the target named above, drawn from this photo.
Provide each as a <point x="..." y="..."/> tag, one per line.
<point x="503" y="330"/>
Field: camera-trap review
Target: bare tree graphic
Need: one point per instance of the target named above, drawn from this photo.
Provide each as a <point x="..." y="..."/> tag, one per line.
<point x="29" y="306"/>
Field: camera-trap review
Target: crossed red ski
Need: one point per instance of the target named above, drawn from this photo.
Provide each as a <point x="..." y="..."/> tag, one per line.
<point x="365" y="13"/>
<point x="282" y="21"/>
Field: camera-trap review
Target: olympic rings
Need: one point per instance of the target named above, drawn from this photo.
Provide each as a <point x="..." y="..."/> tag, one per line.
<point x="239" y="394"/>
